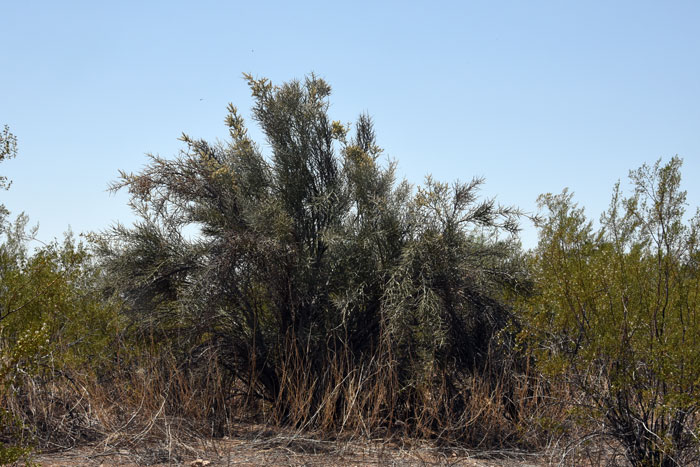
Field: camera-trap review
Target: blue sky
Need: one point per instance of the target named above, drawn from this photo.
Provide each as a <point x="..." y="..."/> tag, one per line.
<point x="534" y="96"/>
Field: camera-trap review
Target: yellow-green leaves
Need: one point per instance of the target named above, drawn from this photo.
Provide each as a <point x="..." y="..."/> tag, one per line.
<point x="616" y="310"/>
<point x="339" y="131"/>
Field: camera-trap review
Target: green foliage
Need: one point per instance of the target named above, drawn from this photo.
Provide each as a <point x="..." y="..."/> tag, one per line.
<point x="14" y="442"/>
<point x="313" y="251"/>
<point x="50" y="315"/>
<point x="444" y="300"/>
<point x="51" y="320"/>
<point x="617" y="312"/>
<point x="8" y="150"/>
<point x="49" y="310"/>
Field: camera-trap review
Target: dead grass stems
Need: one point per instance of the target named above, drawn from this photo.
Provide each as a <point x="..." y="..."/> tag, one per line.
<point x="157" y="399"/>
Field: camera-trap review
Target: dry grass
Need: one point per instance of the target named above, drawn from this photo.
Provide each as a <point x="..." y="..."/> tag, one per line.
<point x="254" y="445"/>
<point x="155" y="409"/>
<point x="497" y="407"/>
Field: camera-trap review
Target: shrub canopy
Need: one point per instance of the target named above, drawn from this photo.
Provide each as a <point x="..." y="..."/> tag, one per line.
<point x="313" y="250"/>
<point x="617" y="313"/>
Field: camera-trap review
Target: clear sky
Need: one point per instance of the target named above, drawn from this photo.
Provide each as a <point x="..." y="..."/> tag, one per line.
<point x="534" y="96"/>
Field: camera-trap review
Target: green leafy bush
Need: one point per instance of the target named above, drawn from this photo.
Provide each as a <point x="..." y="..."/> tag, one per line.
<point x="52" y="320"/>
<point x="617" y="313"/>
